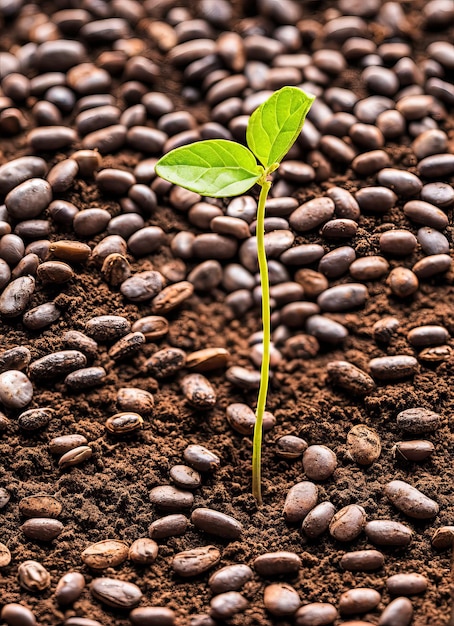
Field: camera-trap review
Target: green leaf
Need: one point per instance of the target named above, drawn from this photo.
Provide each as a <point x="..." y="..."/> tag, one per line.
<point x="216" y="168"/>
<point x="274" y="126"/>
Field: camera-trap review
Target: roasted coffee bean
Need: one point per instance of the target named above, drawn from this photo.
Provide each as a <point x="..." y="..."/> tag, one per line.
<point x="185" y="477"/>
<point x="399" y="612"/>
<point x="398" y="242"/>
<point x="89" y="222"/>
<point x="124" y="423"/>
<point x="196" y="561"/>
<point x="112" y="180"/>
<point x="313" y="283"/>
<point x="40" y="506"/>
<point x="425" y="214"/>
<point x="16" y="358"/>
<point x="51" y="138"/>
<point x="165" y="362"/>
<point x="172" y="297"/>
<point x="69" y="588"/>
<point x="33" y="419"/>
<point x="5" y="556"/>
<point x="107" y="327"/>
<point x="369" y="268"/>
<point x="75" y="456"/>
<point x="417" y="450"/>
<point x="242" y="418"/>
<point x="198" y="391"/>
<point x="152" y="616"/>
<point x="86" y="378"/>
<point x="337" y="262"/>
<point x="376" y="200"/>
<point x="319" y="462"/>
<point x="364" y="445"/>
<point x="142" y="286"/>
<point x="28" y="199"/>
<point x="146" y="240"/>
<point x="277" y="563"/>
<point x="432" y="265"/>
<point x="207" y="359"/>
<point x="200" y="458"/>
<point x="316" y="614"/>
<point x="32" y="229"/>
<point x="16" y="296"/>
<point x="230" y="578"/>
<point x="325" y="329"/>
<point x="216" y="523"/>
<point x="89" y="161"/>
<point x="300" y="499"/>
<point x="432" y="241"/>
<point x="312" y="214"/>
<point x="362" y="561"/>
<point x="104" y="554"/>
<point x="391" y="368"/>
<point x="126" y="346"/>
<point x="131" y="399"/>
<point x="116" y="269"/>
<point x="349" y="377"/>
<point x="112" y="244"/>
<point x="116" y="593"/>
<point x="348" y="523"/>
<point x="65" y="443"/>
<point x="33" y="576"/>
<point x="388" y="533"/>
<point x="54" y="273"/>
<point x="423" y="336"/>
<point x="410" y="500"/>
<point x="302" y="255"/>
<point x="42" y="528"/>
<point x="281" y="599"/>
<point x="62" y="213"/>
<point x="318" y="520"/>
<point x="406" y="584"/>
<point x="206" y="275"/>
<point x="79" y="341"/>
<point x="41" y="316"/>
<point x="168" y="526"/>
<point x="57" y="364"/>
<point x="402" y="282"/>
<point x="359" y="600"/>
<point x="290" y="447"/>
<point x="62" y="176"/>
<point x="339" y="229"/>
<point x="440" y="194"/>
<point x="17" y="615"/>
<point x="12" y="249"/>
<point x="143" y="551"/>
<point x="418" y="420"/>
<point x="16" y="390"/>
<point x="17" y="171"/>
<point x="72" y="251"/>
<point x="151" y="327"/>
<point x="436" y="166"/>
<point x="170" y="498"/>
<point x="443" y="538"/>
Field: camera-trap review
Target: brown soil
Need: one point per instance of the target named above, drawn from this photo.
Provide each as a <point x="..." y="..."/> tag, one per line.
<point x="107" y="497"/>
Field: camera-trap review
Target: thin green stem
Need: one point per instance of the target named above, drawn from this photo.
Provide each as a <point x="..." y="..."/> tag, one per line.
<point x="264" y="370"/>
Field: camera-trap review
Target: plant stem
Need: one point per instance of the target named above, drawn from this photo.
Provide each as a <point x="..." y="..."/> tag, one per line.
<point x="265" y="367"/>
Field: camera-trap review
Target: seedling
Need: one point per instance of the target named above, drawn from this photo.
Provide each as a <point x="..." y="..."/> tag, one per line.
<point x="219" y="168"/>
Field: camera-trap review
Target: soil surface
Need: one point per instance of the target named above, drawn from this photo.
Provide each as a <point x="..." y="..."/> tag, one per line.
<point x="108" y="495"/>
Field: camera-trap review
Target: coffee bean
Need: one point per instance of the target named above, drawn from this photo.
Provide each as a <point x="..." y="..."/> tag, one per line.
<point x="73" y="251"/>
<point x="399" y="612"/>
<point x="230" y="578"/>
<point x="81" y="621"/>
<point x="143" y="286"/>
<point x="170" y="498"/>
<point x="5" y="555"/>
<point x="126" y="346"/>
<point x="418" y="420"/>
<point x="152" y="616"/>
<point x="432" y="241"/>
<point x="436" y="166"/>
<point x="146" y="240"/>
<point x="216" y="523"/>
<point x="185" y="477"/>
<point x="51" y="138"/>
<point x="131" y="399"/>
<point x="57" y="364"/>
<point x="207" y="359"/>
<point x="165" y="362"/>
<point x="431" y="265"/>
<point x="75" y="456"/>
<point x="116" y="593"/>
<point x="15" y="172"/>
<point x="104" y="554"/>
<point x="325" y="329"/>
<point x="402" y="282"/>
<point x="89" y="222"/>
<point x="406" y="584"/>
<point x="398" y="242"/>
<point x="349" y="377"/>
<point x="42" y="528"/>
<point x="312" y="214"/>
<point x="391" y="368"/>
<point x="410" y="500"/>
<point x="62" y="176"/>
<point x="40" y="506"/>
<point x="16" y="358"/>
<point x="369" y="268"/>
<point x="17" y="615"/>
<point x="377" y="200"/>
<point x="337" y="262"/>
<point x="54" y="273"/>
<point x="431" y="335"/>
<point x="65" y="443"/>
<point x="69" y="588"/>
<point x="359" y="600"/>
<point x="364" y="444"/>
<point x="242" y="418"/>
<point x="4" y="426"/>
<point x="33" y="419"/>
<point x="290" y="447"/>
<point x="281" y="599"/>
<point x="348" y="523"/>
<point x="196" y="561"/>
<point x="198" y="391"/>
<point x="417" y="450"/>
<point x="438" y="193"/>
<point x="16" y="296"/>
<point x="277" y="563"/>
<point x="318" y="520"/>
<point x="41" y="316"/>
<point x="107" y="327"/>
<point x="86" y="378"/>
<point x="172" y="297"/>
<point x="300" y="499"/>
<point x="319" y="462"/>
<point x="12" y="249"/>
<point x="316" y="614"/>
<point x="168" y="526"/>
<point x="362" y="561"/>
<point x="388" y="533"/>
<point x="124" y="423"/>
<point x="370" y="162"/>
<point x="443" y="538"/>
<point x="16" y="390"/>
<point x="33" y="576"/>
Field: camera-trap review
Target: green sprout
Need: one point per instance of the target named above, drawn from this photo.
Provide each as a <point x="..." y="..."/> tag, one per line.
<point x="219" y="168"/>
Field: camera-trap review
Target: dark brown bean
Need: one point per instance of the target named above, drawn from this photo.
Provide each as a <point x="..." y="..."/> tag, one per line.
<point x="170" y="498"/>
<point x="406" y="584"/>
<point x="151" y="327"/>
<point x="16" y="296"/>
<point x="106" y="140"/>
<point x="107" y="327"/>
<point x="116" y="593"/>
<point x="34" y="419"/>
<point x="17" y="171"/>
<point x="398" y="242"/>
<point x="418" y="420"/>
<point x="319" y="462"/>
<point x="104" y="554"/>
<point x="377" y="200"/>
<point x="281" y="599"/>
<point x="359" y="600"/>
<point x="196" y="561"/>
<point x="364" y="445"/>
<point x="399" y="612"/>
<point x="41" y="316"/>
<point x="318" y="520"/>
<point x="432" y="241"/>
<point x="17" y="615"/>
<point x="230" y="578"/>
<point x="69" y="588"/>
<point x="277" y="563"/>
<point x="57" y="364"/>
<point x="42" y="529"/>
<point x="75" y="456"/>
<point x="337" y="262"/>
<point x="16" y="358"/>
<point x="51" y="138"/>
<point x="40" y="506"/>
<point x="417" y="450"/>
<point x="388" y="533"/>
<point x="316" y="614"/>
<point x="362" y="561"/>
<point x="410" y="500"/>
<point x="152" y="616"/>
<point x="172" y="297"/>
<point x="143" y="551"/>
<point x="390" y="368"/>
<point x="432" y="265"/>
<point x="290" y="447"/>
<point x="300" y="499"/>
<point x="312" y="214"/>
<point x="168" y="526"/>
<point x="369" y="268"/>
<point x="33" y="576"/>
<point x="165" y="362"/>
<point x="86" y="378"/>
<point x="73" y="251"/>
<point x="216" y="523"/>
<point x="325" y="329"/>
<point x="198" y="391"/>
<point x="347" y="524"/>
<point x="349" y="377"/>
<point x="142" y="286"/>
<point x="65" y="443"/>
